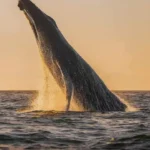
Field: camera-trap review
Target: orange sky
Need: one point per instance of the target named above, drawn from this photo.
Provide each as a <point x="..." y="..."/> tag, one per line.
<point x="112" y="35"/>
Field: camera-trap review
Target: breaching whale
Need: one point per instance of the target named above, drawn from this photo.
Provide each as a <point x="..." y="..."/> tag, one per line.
<point x="72" y="73"/>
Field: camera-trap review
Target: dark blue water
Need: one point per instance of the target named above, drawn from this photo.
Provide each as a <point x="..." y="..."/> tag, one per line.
<point x="74" y="130"/>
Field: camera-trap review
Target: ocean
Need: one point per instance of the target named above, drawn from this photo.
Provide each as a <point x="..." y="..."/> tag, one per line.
<point x="48" y="130"/>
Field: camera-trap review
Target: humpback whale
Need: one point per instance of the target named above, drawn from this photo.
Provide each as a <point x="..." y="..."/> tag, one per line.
<point x="76" y="78"/>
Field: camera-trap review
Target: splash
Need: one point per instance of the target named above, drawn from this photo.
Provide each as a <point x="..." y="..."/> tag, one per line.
<point x="51" y="97"/>
<point x="129" y="108"/>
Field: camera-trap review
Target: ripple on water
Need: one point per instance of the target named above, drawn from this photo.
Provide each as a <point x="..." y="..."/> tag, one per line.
<point x="73" y="130"/>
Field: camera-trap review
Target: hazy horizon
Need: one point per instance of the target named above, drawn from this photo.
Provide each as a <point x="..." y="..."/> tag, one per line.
<point x="111" y="35"/>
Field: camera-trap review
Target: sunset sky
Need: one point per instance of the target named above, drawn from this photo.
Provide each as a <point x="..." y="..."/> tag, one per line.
<point x="113" y="36"/>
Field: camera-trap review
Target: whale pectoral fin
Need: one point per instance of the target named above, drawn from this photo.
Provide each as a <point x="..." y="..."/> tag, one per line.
<point x="66" y="81"/>
<point x="69" y="92"/>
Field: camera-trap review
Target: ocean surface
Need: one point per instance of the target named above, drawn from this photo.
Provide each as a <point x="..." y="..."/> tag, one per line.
<point x="39" y="130"/>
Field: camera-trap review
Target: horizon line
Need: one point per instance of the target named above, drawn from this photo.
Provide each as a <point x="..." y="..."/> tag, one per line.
<point x="25" y="90"/>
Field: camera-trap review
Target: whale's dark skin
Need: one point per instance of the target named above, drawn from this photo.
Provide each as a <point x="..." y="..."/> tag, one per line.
<point x="72" y="73"/>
